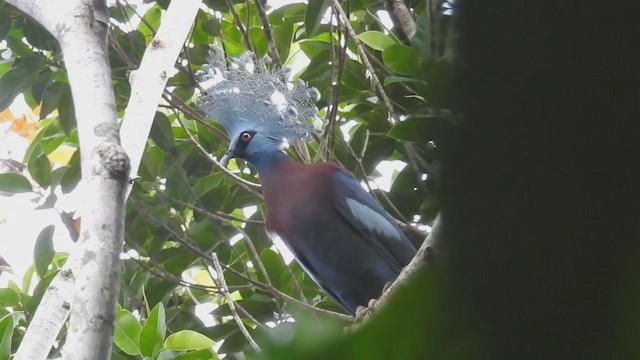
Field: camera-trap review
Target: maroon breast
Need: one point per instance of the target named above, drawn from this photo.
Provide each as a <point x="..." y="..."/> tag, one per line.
<point x="293" y="192"/>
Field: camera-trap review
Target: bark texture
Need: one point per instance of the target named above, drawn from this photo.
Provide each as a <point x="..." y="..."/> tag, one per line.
<point x="80" y="27"/>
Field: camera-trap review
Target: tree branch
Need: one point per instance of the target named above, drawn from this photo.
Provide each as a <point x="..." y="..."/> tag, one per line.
<point x="232" y="304"/>
<point x="49" y="317"/>
<point x="241" y="28"/>
<point x="150" y="80"/>
<point x="429" y="252"/>
<point x="271" y="44"/>
<point x="266" y="287"/>
<point x="365" y="59"/>
<point x="245" y="184"/>
<point x="404" y="18"/>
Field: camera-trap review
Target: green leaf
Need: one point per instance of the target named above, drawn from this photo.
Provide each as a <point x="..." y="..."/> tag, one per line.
<point x="14" y="183"/>
<point x="26" y="279"/>
<point x="34" y="146"/>
<point x="5" y="22"/>
<point x="52" y="138"/>
<point x="15" y="40"/>
<point x="318" y="69"/>
<point x="422" y="40"/>
<point x="4" y="67"/>
<point x="161" y="132"/>
<point x="258" y="40"/>
<point x="282" y="35"/>
<point x="221" y="331"/>
<point x="188" y="340"/>
<point x="355" y="75"/>
<point x="275" y="267"/>
<point x="51" y="97"/>
<point x="401" y="59"/>
<point x="376" y="39"/>
<point x="166" y="355"/>
<point x="211" y="27"/>
<point x="117" y="356"/>
<point x="401" y="79"/>
<point x="17" y="80"/>
<point x="37" y="89"/>
<point x="207" y="183"/>
<point x="153" y="332"/>
<point x="43" y="251"/>
<point x="7" y="324"/>
<point x="151" y="23"/>
<point x="40" y="169"/>
<point x="66" y="111"/>
<point x="37" y="36"/>
<point x="313" y="15"/>
<point x="419" y="129"/>
<point x="235" y="343"/>
<point x="9" y="298"/>
<point x="72" y="175"/>
<point x="204" y="354"/>
<point x="312" y="48"/>
<point x="126" y="333"/>
<point x="233" y="42"/>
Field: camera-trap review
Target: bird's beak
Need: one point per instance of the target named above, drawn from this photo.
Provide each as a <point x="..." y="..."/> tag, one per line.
<point x="226" y="157"/>
<point x="231" y="152"/>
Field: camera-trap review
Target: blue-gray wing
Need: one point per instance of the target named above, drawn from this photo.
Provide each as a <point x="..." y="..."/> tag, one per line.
<point x="369" y="218"/>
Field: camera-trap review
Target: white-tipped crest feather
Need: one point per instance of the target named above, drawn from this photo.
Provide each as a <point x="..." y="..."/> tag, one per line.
<point x="243" y="93"/>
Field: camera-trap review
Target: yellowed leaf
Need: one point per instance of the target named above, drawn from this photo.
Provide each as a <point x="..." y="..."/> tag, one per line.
<point x="6" y="115"/>
<point x="62" y="154"/>
<point x="36" y="111"/>
<point x="202" y="277"/>
<point x="23" y="128"/>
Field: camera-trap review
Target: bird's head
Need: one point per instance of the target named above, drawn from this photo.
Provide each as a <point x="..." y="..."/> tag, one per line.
<point x="260" y="109"/>
<point x="250" y="144"/>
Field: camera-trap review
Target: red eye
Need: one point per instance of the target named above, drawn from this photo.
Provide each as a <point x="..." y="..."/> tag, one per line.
<point x="245" y="137"/>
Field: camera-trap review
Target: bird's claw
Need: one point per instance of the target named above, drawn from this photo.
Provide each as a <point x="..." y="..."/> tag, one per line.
<point x="386" y="286"/>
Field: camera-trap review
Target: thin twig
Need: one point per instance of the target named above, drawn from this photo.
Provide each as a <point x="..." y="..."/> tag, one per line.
<point x="271" y="44"/>
<point x="186" y="242"/>
<point x="388" y="72"/>
<point x="328" y="313"/>
<point x="296" y="285"/>
<point x="218" y="217"/>
<point x="182" y="106"/>
<point x="243" y="30"/>
<point x="232" y="304"/>
<point x="142" y="19"/>
<point x="404" y="16"/>
<point x="365" y="59"/>
<point x="265" y="287"/>
<point x="336" y="78"/>
<point x="247" y="185"/>
<point x="248" y="315"/>
<point x="378" y="195"/>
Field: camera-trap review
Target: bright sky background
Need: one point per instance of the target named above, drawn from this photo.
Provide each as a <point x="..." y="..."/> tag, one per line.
<point x="20" y="222"/>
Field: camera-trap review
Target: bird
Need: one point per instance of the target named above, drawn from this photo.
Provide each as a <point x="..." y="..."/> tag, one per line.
<point x="339" y="234"/>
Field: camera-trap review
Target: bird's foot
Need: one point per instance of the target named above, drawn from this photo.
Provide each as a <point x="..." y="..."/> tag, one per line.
<point x="363" y="312"/>
<point x="386" y="286"/>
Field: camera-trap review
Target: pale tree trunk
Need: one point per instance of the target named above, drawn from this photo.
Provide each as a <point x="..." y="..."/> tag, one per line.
<point x="103" y="171"/>
<point x="81" y="27"/>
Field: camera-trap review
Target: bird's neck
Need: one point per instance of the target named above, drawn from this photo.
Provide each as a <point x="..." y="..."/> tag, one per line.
<point x="268" y="160"/>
